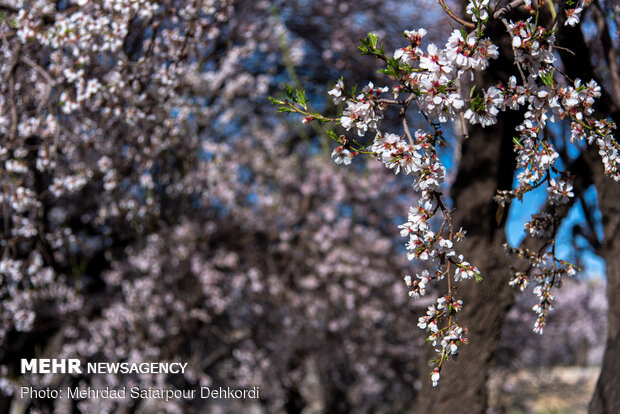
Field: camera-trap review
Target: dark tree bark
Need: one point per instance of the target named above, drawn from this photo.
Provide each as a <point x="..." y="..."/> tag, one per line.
<point x="606" y="397"/>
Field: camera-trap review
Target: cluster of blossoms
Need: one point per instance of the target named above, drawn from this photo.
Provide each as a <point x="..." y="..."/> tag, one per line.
<point x="574" y="334"/>
<point x="433" y="80"/>
<point x="531" y="44"/>
<point x="364" y="112"/>
<point x="545" y="271"/>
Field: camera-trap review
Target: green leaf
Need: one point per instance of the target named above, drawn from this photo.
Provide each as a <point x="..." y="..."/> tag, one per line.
<point x="388" y="72"/>
<point x="464" y="33"/>
<point x="477" y="103"/>
<point x="547" y="77"/>
<point x="300" y="97"/>
<point x="369" y="46"/>
<point x="373" y="39"/>
<point x="332" y="135"/>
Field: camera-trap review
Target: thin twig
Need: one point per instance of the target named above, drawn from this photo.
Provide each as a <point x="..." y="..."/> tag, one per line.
<point x="9" y="77"/>
<point x="403" y="115"/>
<point x="507" y="8"/>
<point x="456" y="18"/>
<point x="564" y="49"/>
<point x="14" y="116"/>
<point x="505" y="22"/>
<point x="14" y="58"/>
<point x="459" y="86"/>
<point x="45" y="75"/>
<point x="390" y="101"/>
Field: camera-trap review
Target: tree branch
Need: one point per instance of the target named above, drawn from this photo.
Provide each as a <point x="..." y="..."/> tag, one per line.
<point x="456" y="18"/>
<point x="608" y="47"/>
<point x="45" y="76"/>
<point x="507" y="8"/>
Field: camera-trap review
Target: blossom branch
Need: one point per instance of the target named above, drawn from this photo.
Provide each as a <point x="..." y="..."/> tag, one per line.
<point x="45" y="75"/>
<point x="507" y="8"/>
<point x="403" y="116"/>
<point x="434" y="79"/>
<point x="449" y="12"/>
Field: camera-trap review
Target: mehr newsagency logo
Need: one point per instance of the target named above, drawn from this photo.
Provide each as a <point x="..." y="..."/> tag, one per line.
<point x="74" y="366"/>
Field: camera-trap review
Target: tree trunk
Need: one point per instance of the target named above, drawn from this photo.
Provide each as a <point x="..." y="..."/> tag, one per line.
<point x="606" y="397"/>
